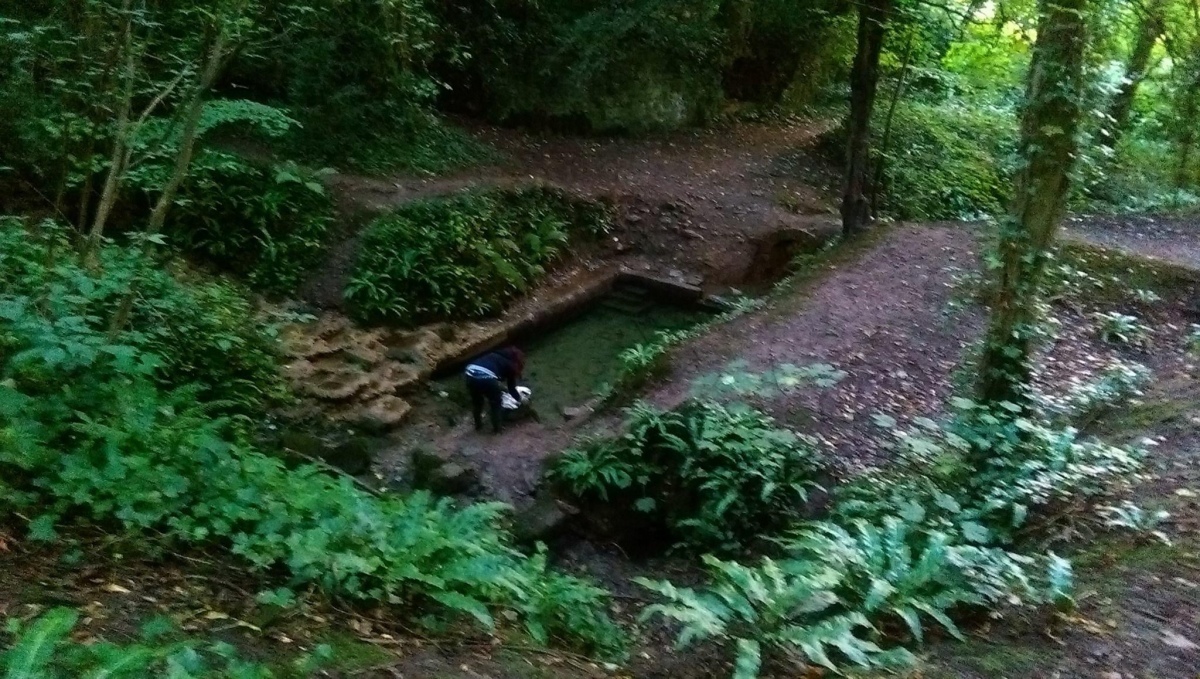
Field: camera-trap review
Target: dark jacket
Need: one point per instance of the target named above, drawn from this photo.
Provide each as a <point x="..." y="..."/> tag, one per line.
<point x="503" y="367"/>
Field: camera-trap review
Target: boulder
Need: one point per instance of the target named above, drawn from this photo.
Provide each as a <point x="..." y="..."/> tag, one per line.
<point x="545" y="519"/>
<point x="441" y="472"/>
<point x="380" y="415"/>
<point x="424" y="460"/>
<point x="453" y="478"/>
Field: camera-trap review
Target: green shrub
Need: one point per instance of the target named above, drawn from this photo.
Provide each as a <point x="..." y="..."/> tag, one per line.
<point x="384" y="139"/>
<point x="829" y="602"/>
<point x="714" y="476"/>
<point x="203" y="332"/>
<point x="946" y="161"/>
<point x="1114" y="327"/>
<point x="87" y="432"/>
<point x="1083" y="402"/>
<point x="43" y="649"/>
<point x="464" y="256"/>
<point x="910" y="544"/>
<point x="268" y="224"/>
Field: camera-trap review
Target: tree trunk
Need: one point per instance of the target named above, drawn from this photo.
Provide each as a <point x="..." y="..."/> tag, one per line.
<point x="116" y="168"/>
<point x="886" y="138"/>
<point x="1188" y="107"/>
<point x="1149" y="29"/>
<point x="864" y="78"/>
<point x="187" y="136"/>
<point x="213" y="62"/>
<point x="1049" y="123"/>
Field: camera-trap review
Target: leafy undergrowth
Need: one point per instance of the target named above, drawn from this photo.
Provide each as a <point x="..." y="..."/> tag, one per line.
<point x="908" y="548"/>
<point x="92" y="434"/>
<point x="384" y="139"/>
<point x="44" y="649"/>
<point x="268" y="224"/>
<point x="710" y="476"/>
<point x="1137" y="611"/>
<point x="464" y="256"/>
<point x="201" y="333"/>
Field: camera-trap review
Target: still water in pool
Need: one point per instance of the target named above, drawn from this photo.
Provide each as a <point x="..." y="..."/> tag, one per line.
<point x="566" y="366"/>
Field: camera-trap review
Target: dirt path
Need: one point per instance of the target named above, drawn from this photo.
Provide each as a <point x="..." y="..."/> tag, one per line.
<point x="694" y="201"/>
<point x="1171" y="238"/>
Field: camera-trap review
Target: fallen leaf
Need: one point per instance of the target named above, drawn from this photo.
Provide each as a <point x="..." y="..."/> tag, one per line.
<point x="215" y="615"/>
<point x="115" y="588"/>
<point x="1173" y="638"/>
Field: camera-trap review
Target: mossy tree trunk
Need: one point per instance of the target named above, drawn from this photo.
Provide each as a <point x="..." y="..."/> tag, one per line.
<point x="873" y="16"/>
<point x="1188" y="107"/>
<point x="1150" y="28"/>
<point x="1049" y="122"/>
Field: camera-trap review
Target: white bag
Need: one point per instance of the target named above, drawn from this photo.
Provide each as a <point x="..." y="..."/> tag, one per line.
<point x="509" y="403"/>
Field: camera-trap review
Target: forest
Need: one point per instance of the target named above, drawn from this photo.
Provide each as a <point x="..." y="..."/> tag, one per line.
<point x="862" y="338"/>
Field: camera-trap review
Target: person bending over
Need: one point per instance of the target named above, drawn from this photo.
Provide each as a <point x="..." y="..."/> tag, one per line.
<point x="487" y="379"/>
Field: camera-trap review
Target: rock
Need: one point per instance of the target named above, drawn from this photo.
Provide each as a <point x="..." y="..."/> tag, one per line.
<point x="402" y="355"/>
<point x="425" y="460"/>
<point x="333" y="381"/>
<point x="573" y="412"/>
<point x="547" y="518"/>
<point x="452" y="478"/>
<point x="381" y="415"/>
<point x="581" y="411"/>
<point x="352" y="457"/>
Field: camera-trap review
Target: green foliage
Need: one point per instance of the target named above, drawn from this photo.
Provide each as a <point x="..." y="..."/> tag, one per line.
<point x="384" y="140"/>
<point x="464" y="256"/>
<point x="948" y="161"/>
<point x="1193" y="339"/>
<point x="203" y="333"/>
<point x="636" y="65"/>
<point x="645" y="362"/>
<point x="89" y="434"/>
<point x="715" y="476"/>
<point x="1083" y="402"/>
<point x="1115" y="327"/>
<point x="910" y="545"/>
<point x="738" y="379"/>
<point x="268" y="224"/>
<point x="42" y="649"/>
<point x="1131" y="517"/>
<point x="789" y="607"/>
<point x="829" y="601"/>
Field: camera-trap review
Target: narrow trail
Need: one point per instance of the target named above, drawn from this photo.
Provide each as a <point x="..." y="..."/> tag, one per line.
<point x="1169" y="238"/>
<point x="694" y="200"/>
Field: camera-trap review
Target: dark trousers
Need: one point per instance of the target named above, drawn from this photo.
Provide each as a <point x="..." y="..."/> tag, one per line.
<point x="486" y="390"/>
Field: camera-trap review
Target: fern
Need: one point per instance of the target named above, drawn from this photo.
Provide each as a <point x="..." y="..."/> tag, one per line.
<point x="90" y="433"/>
<point x="714" y="475"/>
<point x="32" y="652"/>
